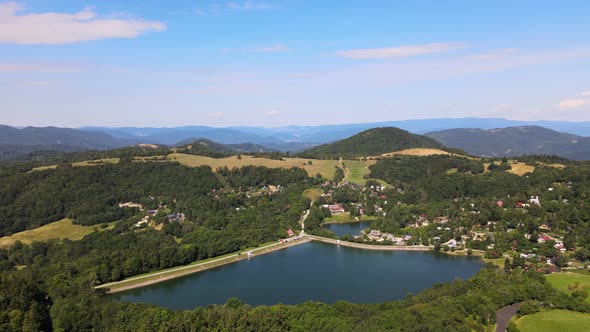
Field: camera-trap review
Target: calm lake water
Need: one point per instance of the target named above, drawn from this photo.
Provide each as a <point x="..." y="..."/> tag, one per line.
<point x="352" y="228"/>
<point x="310" y="272"/>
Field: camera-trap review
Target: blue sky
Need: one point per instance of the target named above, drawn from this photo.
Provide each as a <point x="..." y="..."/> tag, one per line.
<point x="284" y="62"/>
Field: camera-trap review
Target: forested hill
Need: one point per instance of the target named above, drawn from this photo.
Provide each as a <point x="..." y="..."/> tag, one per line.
<point x="515" y="141"/>
<point x="205" y="147"/>
<point x="372" y="142"/>
<point x="32" y="142"/>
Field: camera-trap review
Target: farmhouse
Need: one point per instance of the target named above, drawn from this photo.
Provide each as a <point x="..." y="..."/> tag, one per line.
<point x="336" y="208"/>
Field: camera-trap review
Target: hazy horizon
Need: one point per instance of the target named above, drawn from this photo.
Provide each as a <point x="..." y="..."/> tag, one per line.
<point x="290" y="62"/>
<point x="532" y="122"/>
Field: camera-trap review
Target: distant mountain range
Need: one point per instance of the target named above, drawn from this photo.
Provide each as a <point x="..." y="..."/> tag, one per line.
<point x="18" y="142"/>
<point x="372" y="142"/>
<point x="298" y="138"/>
<point x="515" y="141"/>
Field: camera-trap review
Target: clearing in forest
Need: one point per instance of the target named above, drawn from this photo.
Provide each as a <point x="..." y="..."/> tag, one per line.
<point x="417" y="152"/>
<point x="313" y="166"/>
<point x="568" y="282"/>
<point x="521" y="169"/>
<point x="63" y="229"/>
<point x="554" y="320"/>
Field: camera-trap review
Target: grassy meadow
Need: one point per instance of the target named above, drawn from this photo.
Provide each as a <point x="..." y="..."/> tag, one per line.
<point x="63" y="229"/>
<point x="554" y="320"/>
<point x="568" y="282"/>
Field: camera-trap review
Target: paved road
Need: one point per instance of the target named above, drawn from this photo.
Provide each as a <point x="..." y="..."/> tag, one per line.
<point x="504" y="315"/>
<point x="367" y="246"/>
<point x="196" y="267"/>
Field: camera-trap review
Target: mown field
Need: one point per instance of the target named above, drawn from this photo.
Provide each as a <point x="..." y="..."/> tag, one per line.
<point x="326" y="168"/>
<point x="568" y="282"/>
<point x="63" y="229"/>
<point x="554" y="320"/>
<point x="521" y="169"/>
<point x="416" y="152"/>
<point x="358" y="169"/>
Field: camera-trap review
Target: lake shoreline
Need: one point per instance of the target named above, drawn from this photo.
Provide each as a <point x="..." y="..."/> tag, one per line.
<point x="181" y="271"/>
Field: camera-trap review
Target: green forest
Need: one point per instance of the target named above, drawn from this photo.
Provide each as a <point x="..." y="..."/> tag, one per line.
<point x="49" y="285"/>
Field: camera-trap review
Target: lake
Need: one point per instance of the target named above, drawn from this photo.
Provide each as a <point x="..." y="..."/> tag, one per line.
<point x="310" y="272"/>
<point x="352" y="228"/>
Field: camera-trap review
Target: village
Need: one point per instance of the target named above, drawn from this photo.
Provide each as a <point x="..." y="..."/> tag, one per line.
<point x="464" y="231"/>
<point x="392" y="223"/>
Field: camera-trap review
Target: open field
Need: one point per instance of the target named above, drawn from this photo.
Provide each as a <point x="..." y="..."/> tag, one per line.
<point x="521" y="169"/>
<point x="82" y="163"/>
<point x="42" y="168"/>
<point x="313" y="193"/>
<point x="568" y="282"/>
<point x="96" y="162"/>
<point x="325" y="167"/>
<point x="417" y="152"/>
<point x="63" y="229"/>
<point x="554" y="320"/>
<point x="358" y="169"/>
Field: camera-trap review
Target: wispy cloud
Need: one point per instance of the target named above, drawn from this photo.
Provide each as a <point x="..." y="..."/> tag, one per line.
<point x="502" y="107"/>
<point x="248" y="5"/>
<point x="492" y="55"/>
<point x="274" y="48"/>
<point x="392" y="105"/>
<point x="63" y="28"/>
<point x="400" y="51"/>
<point x="35" y="83"/>
<point x="40" y="68"/>
<point x="216" y="115"/>
<point x="575" y="102"/>
<point x="273" y="113"/>
<point x="571" y="103"/>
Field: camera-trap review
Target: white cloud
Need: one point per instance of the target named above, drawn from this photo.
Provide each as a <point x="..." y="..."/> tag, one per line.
<point x="572" y="103"/>
<point x="400" y="51"/>
<point x="585" y="94"/>
<point x="248" y="6"/>
<point x="216" y="115"/>
<point x="63" y="28"/>
<point x="273" y="113"/>
<point x="492" y="55"/>
<point x="35" y="83"/>
<point x="273" y="48"/>
<point x="276" y="48"/>
<point x="503" y="107"/>
<point x="40" y="68"/>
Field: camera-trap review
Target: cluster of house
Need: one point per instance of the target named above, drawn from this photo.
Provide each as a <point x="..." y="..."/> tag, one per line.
<point x="378" y="236"/>
<point x="422" y="221"/>
<point x="173" y="217"/>
<point x="558" y="243"/>
<point x="266" y="190"/>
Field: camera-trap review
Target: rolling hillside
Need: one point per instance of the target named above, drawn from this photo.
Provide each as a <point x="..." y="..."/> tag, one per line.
<point x="205" y="147"/>
<point x="31" y="142"/>
<point x="515" y="141"/>
<point x="372" y="142"/>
